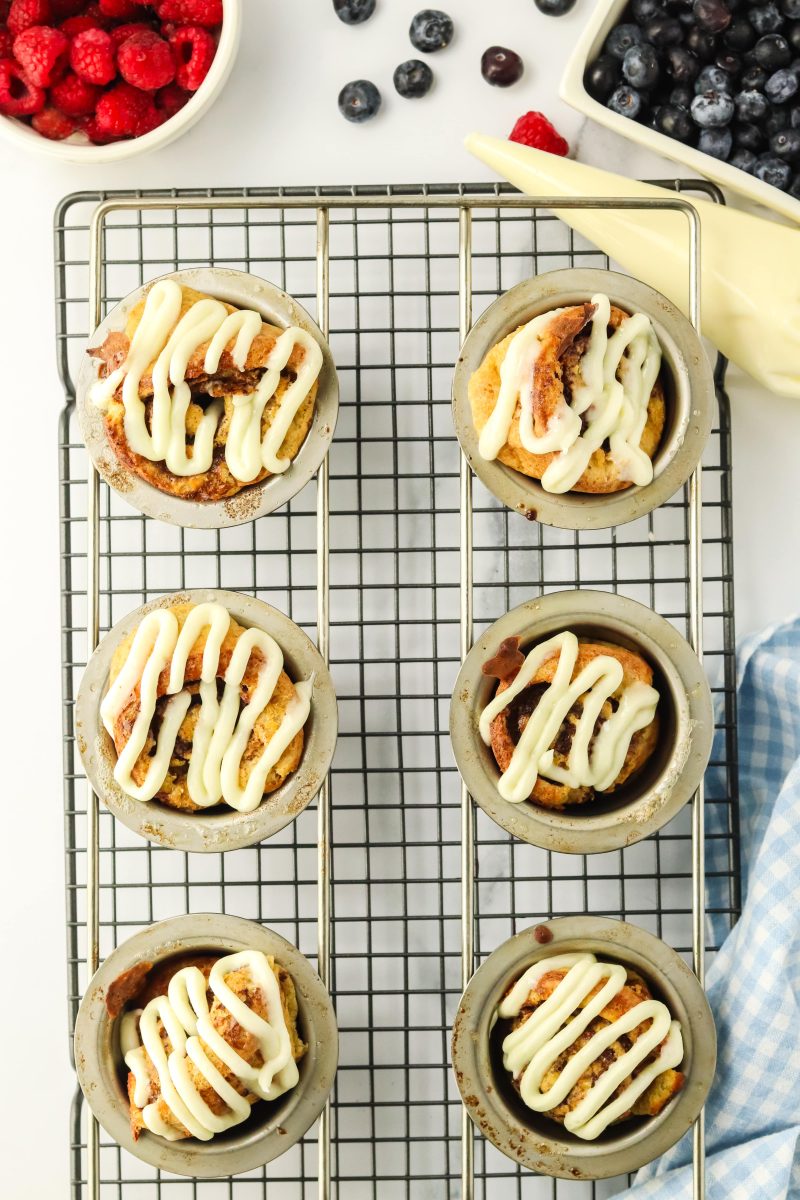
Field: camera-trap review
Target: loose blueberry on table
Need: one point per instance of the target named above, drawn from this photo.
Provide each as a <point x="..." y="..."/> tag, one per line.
<point x="720" y="75"/>
<point x="413" y="79"/>
<point x="359" y="100"/>
<point x="353" y="12"/>
<point x="501" y="67"/>
<point x="431" y="30"/>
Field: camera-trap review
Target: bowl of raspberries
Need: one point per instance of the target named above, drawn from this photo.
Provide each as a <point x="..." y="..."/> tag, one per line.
<point x="103" y="80"/>
<point x="713" y="84"/>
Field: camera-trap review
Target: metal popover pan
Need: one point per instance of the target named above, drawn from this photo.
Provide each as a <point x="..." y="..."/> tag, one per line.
<point x="272" y="1128"/>
<point x="664" y="784"/>
<point x="221" y="827"/>
<point x="689" y="394"/>
<point x="536" y="1141"/>
<point x="254" y="500"/>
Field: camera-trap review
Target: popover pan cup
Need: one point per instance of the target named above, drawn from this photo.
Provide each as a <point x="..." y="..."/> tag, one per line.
<point x="689" y="387"/>
<point x="272" y="1128"/>
<point x="536" y="1141"/>
<point x="221" y="827"/>
<point x="254" y="500"/>
<point x="663" y="785"/>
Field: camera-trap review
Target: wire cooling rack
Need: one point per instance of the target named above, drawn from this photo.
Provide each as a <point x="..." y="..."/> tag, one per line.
<point x="369" y="558"/>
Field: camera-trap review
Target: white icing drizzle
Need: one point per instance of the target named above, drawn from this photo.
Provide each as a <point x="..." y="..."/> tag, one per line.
<point x="185" y="1016"/>
<point x="614" y="409"/>
<point x="596" y="682"/>
<point x="530" y="1050"/>
<point x="222" y="731"/>
<point x="160" y="338"/>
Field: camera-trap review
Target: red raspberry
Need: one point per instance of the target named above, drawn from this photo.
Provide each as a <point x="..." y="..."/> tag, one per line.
<point x="6" y="42"/>
<point x="74" y="96"/>
<point x="120" y="10"/>
<point x="121" y="33"/>
<point x="24" y="13"/>
<point x="92" y="56"/>
<point x="52" y="124"/>
<point x="534" y="129"/>
<point x="145" y="60"/>
<point x="194" y="49"/>
<point x="95" y="134"/>
<point x="75" y="25"/>
<point x="171" y="99"/>
<point x="18" y="97"/>
<point x="124" y="111"/>
<point x="42" y="53"/>
<point x="191" y="12"/>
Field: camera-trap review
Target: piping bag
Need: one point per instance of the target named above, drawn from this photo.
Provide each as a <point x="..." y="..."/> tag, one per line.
<point x="749" y="267"/>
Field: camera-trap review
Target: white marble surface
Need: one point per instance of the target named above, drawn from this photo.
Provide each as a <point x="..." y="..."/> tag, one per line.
<point x="276" y="123"/>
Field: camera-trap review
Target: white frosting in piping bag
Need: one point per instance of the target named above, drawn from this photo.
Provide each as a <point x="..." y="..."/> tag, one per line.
<point x="530" y="1050"/>
<point x="160" y="338"/>
<point x="597" y="767"/>
<point x="185" y="1016"/>
<point x="613" y="409"/>
<point x="222" y="731"/>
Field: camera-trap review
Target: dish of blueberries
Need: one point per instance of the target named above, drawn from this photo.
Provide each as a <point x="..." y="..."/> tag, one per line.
<point x="722" y="76"/>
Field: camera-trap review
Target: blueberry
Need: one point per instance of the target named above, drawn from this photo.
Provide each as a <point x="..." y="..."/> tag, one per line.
<point x="748" y="136"/>
<point x="786" y="144"/>
<point x="739" y="35"/>
<point x="771" y="169"/>
<point x="640" y="66"/>
<point x="712" y="109"/>
<point x="729" y="61"/>
<point x="431" y="30"/>
<point x="700" y="43"/>
<point x="643" y="11"/>
<point x="663" y="31"/>
<point x="793" y="35"/>
<point x="794" y="117"/>
<point x="745" y="160"/>
<point x="681" y="64"/>
<point x="772" y="51"/>
<point x="712" y="78"/>
<point x="767" y="19"/>
<point x="791" y="9"/>
<point x="794" y="187"/>
<point x="413" y="79"/>
<point x="602" y="77"/>
<point x="501" y="67"/>
<point x="675" y="122"/>
<point x="751" y="106"/>
<point x="753" y="78"/>
<point x="777" y="120"/>
<point x="712" y="15"/>
<point x="359" y="100"/>
<point x="626" y="101"/>
<point x="682" y="96"/>
<point x="353" y="12"/>
<point x="621" y="38"/>
<point x="781" y="86"/>
<point x="555" y="8"/>
<point x="716" y="142"/>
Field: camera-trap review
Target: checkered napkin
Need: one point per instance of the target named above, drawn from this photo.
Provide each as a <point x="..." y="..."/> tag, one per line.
<point x="753" y="1112"/>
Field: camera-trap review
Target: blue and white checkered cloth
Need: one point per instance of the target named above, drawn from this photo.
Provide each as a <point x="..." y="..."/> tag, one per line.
<point x="753" y="1112"/>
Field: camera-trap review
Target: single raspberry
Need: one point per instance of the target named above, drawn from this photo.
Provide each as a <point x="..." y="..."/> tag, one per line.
<point x="95" y="134"/>
<point x="125" y="111"/>
<point x="145" y="60"/>
<point x="120" y="10"/>
<point x="42" y="53"/>
<point x="52" y="124"/>
<point x="6" y="42"/>
<point x="74" y="96"/>
<point x="534" y="129"/>
<point x="18" y="97"/>
<point x="121" y="33"/>
<point x="194" y="49"/>
<point x="92" y="56"/>
<point x="75" y="25"/>
<point x="171" y="99"/>
<point x="191" y="12"/>
<point x="24" y="13"/>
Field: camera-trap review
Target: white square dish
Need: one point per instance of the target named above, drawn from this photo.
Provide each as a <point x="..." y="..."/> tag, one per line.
<point x="602" y="20"/>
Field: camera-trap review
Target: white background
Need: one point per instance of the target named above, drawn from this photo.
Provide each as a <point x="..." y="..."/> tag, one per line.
<point x="276" y="123"/>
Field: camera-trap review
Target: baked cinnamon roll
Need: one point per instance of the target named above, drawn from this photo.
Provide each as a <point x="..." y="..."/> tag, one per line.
<point x="204" y="1039"/>
<point x="574" y="398"/>
<point x="201" y="711"/>
<point x="202" y="399"/>
<point x="570" y="721"/>
<point x="587" y="1045"/>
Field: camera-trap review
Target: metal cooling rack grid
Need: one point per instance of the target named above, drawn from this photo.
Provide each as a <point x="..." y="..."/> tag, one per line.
<point x="394" y="605"/>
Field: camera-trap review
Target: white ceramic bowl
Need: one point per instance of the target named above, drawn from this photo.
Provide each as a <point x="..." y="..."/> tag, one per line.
<point x="589" y="45"/>
<point x="23" y="135"/>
